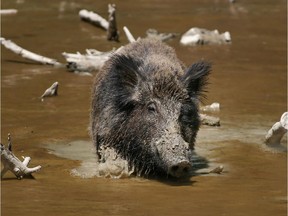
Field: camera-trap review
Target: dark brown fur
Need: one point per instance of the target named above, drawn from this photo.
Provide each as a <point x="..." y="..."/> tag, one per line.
<point x="145" y="106"/>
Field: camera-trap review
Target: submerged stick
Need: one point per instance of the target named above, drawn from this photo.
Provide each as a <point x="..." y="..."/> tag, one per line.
<point x="129" y="36"/>
<point x="12" y="163"/>
<point x="8" y="11"/>
<point x="92" y="60"/>
<point x="112" y="32"/>
<point x="277" y="131"/>
<point x="51" y="91"/>
<point x="210" y="120"/>
<point x="27" y="54"/>
<point x="94" y="18"/>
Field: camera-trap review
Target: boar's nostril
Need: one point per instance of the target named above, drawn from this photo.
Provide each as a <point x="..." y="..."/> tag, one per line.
<point x="180" y="169"/>
<point x="174" y="168"/>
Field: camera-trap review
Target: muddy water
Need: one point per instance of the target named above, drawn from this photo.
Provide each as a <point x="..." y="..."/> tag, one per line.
<point x="249" y="80"/>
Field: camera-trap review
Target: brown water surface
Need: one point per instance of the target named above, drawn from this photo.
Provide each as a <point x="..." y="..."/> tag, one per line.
<point x="249" y="80"/>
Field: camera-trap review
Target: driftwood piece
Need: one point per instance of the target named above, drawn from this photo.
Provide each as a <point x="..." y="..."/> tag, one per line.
<point x="214" y="107"/>
<point x="128" y="34"/>
<point x="94" y="18"/>
<point x="207" y="119"/>
<point x="92" y="60"/>
<point x="210" y="120"/>
<point x="112" y="32"/>
<point x="200" y="36"/>
<point x="12" y="163"/>
<point x="153" y="33"/>
<point x="8" y="11"/>
<point x="51" y="91"/>
<point x="217" y="170"/>
<point x="277" y="131"/>
<point x="27" y="54"/>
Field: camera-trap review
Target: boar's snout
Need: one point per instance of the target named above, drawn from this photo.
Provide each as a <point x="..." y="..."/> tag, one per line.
<point x="180" y="169"/>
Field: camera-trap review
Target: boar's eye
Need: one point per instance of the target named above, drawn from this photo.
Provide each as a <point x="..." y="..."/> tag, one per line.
<point x="152" y="107"/>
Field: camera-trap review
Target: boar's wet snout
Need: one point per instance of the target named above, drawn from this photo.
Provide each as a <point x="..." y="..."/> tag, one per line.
<point x="179" y="169"/>
<point x="145" y="108"/>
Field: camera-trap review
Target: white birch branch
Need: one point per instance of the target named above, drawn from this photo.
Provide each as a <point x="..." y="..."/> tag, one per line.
<point x="200" y="36"/>
<point x="210" y="120"/>
<point x="8" y="11"/>
<point x="275" y="134"/>
<point x="27" y="54"/>
<point x="153" y="33"/>
<point x="129" y="36"/>
<point x="94" y="18"/>
<point x="92" y="60"/>
<point x="13" y="164"/>
<point x="214" y="107"/>
<point x="51" y="91"/>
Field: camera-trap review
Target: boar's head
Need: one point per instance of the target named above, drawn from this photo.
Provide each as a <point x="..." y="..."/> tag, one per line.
<point x="147" y="112"/>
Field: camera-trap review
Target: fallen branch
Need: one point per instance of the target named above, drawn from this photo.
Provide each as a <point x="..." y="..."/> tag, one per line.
<point x="12" y="163"/>
<point x="210" y="120"/>
<point x="199" y="36"/>
<point x="275" y="134"/>
<point x="153" y="33"/>
<point x="94" y="18"/>
<point x="27" y="54"/>
<point x="8" y="11"/>
<point x="92" y="60"/>
<point x="207" y="119"/>
<point x="51" y="91"/>
<point x="129" y="36"/>
<point x="112" y="32"/>
<point x="214" y="107"/>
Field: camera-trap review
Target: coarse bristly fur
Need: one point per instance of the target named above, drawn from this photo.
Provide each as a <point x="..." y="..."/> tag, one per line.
<point x="144" y="103"/>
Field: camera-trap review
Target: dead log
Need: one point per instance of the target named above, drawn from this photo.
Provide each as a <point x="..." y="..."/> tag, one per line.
<point x="13" y="164"/>
<point x="51" y="91"/>
<point x="112" y="33"/>
<point x="153" y="33"/>
<point x="277" y="131"/>
<point x="200" y="36"/>
<point x="94" y="19"/>
<point x="214" y="107"/>
<point x="210" y="120"/>
<point x="8" y="11"/>
<point x="128" y="34"/>
<point x="27" y="54"/>
<point x="92" y="60"/>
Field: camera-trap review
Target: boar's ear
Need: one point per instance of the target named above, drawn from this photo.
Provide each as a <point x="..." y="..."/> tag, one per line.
<point x="126" y="77"/>
<point x="195" y="79"/>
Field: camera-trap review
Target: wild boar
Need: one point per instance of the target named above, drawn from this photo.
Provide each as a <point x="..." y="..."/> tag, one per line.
<point x="145" y="108"/>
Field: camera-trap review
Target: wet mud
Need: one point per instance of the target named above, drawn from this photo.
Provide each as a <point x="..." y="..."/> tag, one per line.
<point x="249" y="80"/>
